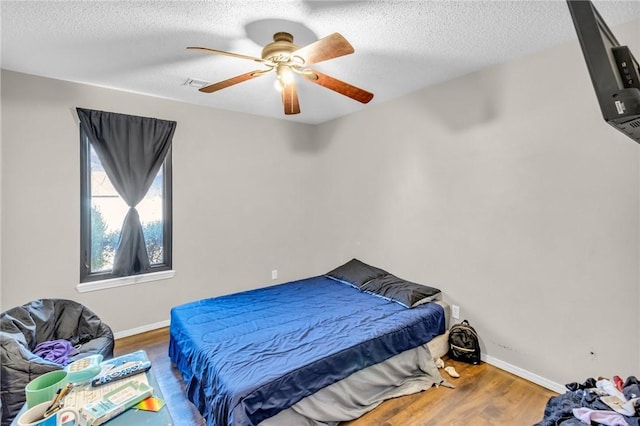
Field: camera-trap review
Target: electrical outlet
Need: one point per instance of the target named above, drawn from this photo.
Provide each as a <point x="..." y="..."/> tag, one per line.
<point x="274" y="274"/>
<point x="455" y="311"/>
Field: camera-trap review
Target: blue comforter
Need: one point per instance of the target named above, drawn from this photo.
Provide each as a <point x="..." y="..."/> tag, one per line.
<point x="245" y="357"/>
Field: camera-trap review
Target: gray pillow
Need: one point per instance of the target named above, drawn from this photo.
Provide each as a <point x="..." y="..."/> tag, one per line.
<point x="355" y="273"/>
<point x="404" y="292"/>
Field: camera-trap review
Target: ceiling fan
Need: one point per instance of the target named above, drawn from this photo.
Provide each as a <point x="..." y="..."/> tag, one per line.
<point x="287" y="59"/>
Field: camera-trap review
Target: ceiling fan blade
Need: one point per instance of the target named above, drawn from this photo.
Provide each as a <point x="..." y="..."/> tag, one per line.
<point x="290" y="99"/>
<point x="222" y="52"/>
<point x="234" y="80"/>
<point x="336" y="85"/>
<point x="329" y="47"/>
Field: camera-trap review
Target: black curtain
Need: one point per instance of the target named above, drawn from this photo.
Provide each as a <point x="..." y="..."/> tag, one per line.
<point x="132" y="150"/>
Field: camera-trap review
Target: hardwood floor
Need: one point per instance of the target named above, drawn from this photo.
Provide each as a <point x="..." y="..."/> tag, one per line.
<point x="484" y="395"/>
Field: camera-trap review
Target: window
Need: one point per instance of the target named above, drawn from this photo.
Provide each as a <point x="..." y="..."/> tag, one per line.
<point x="103" y="212"/>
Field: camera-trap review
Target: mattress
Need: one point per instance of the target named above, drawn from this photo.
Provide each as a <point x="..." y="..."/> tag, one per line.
<point x="245" y="357"/>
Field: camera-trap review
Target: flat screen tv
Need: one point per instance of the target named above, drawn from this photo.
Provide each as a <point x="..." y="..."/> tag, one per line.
<point x="614" y="71"/>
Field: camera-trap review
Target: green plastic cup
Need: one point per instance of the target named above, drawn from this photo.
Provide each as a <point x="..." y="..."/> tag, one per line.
<point x="45" y="387"/>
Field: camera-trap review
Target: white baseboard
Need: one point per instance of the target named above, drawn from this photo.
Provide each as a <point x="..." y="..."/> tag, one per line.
<point x="143" y="329"/>
<point x="545" y="383"/>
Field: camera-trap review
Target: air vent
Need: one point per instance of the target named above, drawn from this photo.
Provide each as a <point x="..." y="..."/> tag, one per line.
<point x="635" y="123"/>
<point x="194" y="82"/>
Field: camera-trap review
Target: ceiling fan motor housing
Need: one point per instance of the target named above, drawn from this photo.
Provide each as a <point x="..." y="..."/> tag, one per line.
<point x="280" y="49"/>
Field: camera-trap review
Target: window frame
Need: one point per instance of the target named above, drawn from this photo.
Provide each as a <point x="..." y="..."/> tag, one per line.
<point x="85" y="216"/>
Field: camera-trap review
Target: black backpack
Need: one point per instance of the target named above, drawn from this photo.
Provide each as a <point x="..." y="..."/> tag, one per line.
<point x="463" y="343"/>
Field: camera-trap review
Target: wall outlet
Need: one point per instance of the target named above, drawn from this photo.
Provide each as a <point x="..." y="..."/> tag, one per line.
<point x="455" y="311"/>
<point x="274" y="274"/>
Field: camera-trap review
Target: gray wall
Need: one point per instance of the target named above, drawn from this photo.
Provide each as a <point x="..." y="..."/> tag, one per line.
<point x="504" y="188"/>
<point x="241" y="199"/>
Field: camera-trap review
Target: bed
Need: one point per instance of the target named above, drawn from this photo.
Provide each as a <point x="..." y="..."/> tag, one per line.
<point x="315" y="351"/>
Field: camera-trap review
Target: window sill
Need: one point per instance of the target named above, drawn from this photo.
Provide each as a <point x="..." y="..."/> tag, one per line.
<point x="123" y="281"/>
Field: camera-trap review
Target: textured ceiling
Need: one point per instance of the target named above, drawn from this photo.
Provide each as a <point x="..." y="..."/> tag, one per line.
<point x="400" y="46"/>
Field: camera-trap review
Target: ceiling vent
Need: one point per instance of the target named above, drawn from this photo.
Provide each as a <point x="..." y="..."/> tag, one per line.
<point x="194" y="82"/>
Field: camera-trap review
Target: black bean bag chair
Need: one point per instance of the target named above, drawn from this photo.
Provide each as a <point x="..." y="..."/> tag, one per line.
<point x="22" y="328"/>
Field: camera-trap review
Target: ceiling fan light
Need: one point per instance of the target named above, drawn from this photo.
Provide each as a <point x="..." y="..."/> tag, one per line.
<point x="287" y="77"/>
<point x="285" y="74"/>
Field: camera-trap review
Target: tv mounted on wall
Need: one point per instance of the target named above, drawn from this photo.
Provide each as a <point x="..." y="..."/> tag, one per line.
<point x="614" y="71"/>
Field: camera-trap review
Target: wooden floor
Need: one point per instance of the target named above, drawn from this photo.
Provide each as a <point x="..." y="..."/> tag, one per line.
<point x="484" y="395"/>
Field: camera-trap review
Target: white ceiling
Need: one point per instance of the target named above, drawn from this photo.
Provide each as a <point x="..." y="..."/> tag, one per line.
<point x="400" y="46"/>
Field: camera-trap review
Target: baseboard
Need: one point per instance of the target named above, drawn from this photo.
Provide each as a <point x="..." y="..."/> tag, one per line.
<point x="143" y="329"/>
<point x="520" y="372"/>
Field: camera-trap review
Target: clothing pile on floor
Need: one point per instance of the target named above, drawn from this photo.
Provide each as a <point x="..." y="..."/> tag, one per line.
<point x="596" y="402"/>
